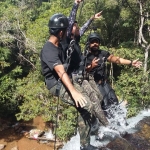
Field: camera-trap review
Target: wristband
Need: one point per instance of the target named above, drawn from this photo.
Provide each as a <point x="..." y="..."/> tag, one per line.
<point x="130" y="63"/>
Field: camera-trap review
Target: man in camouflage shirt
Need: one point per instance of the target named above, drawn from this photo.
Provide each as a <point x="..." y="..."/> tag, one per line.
<point x="88" y="89"/>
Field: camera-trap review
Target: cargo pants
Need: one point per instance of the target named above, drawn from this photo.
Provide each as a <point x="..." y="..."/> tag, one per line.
<point x="92" y="109"/>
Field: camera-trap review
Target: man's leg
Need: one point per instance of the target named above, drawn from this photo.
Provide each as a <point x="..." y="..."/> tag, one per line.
<point x="83" y="127"/>
<point x="109" y="96"/>
<point x="85" y="114"/>
<point x="95" y="101"/>
<point x="95" y="88"/>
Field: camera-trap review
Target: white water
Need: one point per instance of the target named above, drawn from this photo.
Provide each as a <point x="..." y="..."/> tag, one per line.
<point x="117" y="127"/>
<point x="49" y="135"/>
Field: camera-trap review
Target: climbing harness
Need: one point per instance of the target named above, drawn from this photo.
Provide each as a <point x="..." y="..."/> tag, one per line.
<point x="68" y="54"/>
<point x="81" y="73"/>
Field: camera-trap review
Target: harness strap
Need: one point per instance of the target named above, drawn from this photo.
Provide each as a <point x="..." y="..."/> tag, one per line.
<point x="66" y="65"/>
<point x="81" y="73"/>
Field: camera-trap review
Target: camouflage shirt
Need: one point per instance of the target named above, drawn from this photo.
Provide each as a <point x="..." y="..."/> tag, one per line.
<point x="72" y="19"/>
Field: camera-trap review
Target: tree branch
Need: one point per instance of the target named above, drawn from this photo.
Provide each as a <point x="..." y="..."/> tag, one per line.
<point x="27" y="60"/>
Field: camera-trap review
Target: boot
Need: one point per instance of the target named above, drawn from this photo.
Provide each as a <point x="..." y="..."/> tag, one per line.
<point x="95" y="126"/>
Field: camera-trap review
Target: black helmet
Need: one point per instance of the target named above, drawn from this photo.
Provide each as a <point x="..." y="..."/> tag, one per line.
<point x="93" y="36"/>
<point x="58" y="21"/>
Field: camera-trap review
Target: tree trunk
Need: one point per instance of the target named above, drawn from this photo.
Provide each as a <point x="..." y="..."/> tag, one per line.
<point x="141" y="40"/>
<point x="146" y="58"/>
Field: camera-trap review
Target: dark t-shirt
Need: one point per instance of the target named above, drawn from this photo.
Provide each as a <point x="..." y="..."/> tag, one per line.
<point x="75" y="56"/>
<point x="50" y="57"/>
<point x="99" y="71"/>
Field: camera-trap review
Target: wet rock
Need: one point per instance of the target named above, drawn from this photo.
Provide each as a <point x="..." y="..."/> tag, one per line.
<point x="144" y="121"/>
<point x="105" y="148"/>
<point x="121" y="144"/>
<point x="140" y="140"/>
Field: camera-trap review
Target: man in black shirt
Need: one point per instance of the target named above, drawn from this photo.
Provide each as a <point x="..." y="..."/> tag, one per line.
<point x="96" y="66"/>
<point x="52" y="60"/>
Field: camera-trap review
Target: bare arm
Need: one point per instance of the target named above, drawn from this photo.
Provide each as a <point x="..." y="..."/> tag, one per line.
<point x="115" y="59"/>
<point x="78" y="98"/>
<point x="122" y="61"/>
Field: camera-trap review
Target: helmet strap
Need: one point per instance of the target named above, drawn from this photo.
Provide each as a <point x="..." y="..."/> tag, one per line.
<point x="56" y="34"/>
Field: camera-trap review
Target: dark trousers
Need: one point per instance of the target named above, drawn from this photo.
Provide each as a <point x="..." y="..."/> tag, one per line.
<point x="109" y="96"/>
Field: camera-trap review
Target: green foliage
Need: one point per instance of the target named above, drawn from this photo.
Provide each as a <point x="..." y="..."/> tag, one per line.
<point x="111" y="4"/>
<point x="4" y="56"/>
<point x="132" y="85"/>
<point x="38" y="31"/>
<point x="35" y="100"/>
<point x="125" y="14"/>
<point x="67" y="122"/>
<point x="30" y="92"/>
<point x="8" y="105"/>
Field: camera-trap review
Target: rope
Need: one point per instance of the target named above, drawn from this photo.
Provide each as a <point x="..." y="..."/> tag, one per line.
<point x="80" y="11"/>
<point x="56" y="124"/>
<point x="95" y="10"/>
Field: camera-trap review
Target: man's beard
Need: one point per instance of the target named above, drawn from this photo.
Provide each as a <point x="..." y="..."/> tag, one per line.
<point x="94" y="49"/>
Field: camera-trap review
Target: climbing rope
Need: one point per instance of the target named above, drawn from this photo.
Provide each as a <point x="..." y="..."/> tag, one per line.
<point x="56" y="123"/>
<point x="80" y="11"/>
<point x="94" y="28"/>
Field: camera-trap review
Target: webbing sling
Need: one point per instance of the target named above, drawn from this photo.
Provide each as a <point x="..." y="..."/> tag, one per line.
<point x="79" y="76"/>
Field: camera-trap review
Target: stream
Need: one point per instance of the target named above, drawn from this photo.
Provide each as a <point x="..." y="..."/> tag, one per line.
<point x="120" y="134"/>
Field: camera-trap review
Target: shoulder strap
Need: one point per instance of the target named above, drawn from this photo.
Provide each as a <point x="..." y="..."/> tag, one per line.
<point x="69" y="51"/>
<point x="83" y="60"/>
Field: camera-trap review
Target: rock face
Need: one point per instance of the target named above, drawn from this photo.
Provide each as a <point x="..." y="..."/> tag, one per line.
<point x="121" y="144"/>
<point x="140" y="140"/>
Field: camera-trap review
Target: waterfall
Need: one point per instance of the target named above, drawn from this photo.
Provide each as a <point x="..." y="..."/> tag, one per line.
<point x="118" y="126"/>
